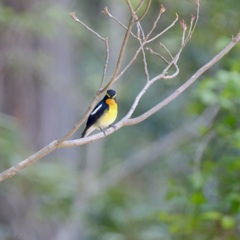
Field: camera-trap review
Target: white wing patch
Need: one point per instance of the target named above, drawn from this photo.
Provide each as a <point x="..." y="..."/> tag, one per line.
<point x="93" y="112"/>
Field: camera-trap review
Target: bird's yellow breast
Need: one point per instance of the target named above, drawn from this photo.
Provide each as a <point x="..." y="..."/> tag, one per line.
<point x="110" y="115"/>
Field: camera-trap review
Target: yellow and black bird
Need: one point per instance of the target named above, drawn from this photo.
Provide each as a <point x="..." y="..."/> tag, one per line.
<point x="103" y="115"/>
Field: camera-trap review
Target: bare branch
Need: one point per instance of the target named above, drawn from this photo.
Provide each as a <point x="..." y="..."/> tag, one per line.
<point x="130" y="6"/>
<point x="157" y="54"/>
<point x="185" y="86"/>
<point x="183" y="44"/>
<point x="141" y="32"/>
<point x="30" y="160"/>
<point x="166" y="49"/>
<point x="144" y="42"/>
<point x="121" y="54"/>
<point x="73" y="15"/>
<point x="165" y="30"/>
<point x="161" y="11"/>
<point x="184" y="28"/>
<point x="193" y="24"/>
<point x="139" y="5"/>
<point x="106" y="63"/>
<point x="145" y="11"/>
<point x="166" y="61"/>
<point x="106" y="12"/>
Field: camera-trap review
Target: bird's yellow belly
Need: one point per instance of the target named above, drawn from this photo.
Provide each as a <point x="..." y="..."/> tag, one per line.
<point x="109" y="116"/>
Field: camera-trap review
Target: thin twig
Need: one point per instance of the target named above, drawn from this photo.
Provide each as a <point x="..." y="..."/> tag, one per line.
<point x="174" y="61"/>
<point x="139" y="5"/>
<point x="106" y="12"/>
<point x="106" y="63"/>
<point x="174" y="74"/>
<point x="73" y="15"/>
<point x="145" y="11"/>
<point x="130" y="6"/>
<point x="157" y="54"/>
<point x="169" y="64"/>
<point x="166" y="49"/>
<point x="193" y="18"/>
<point x="121" y="54"/>
<point x="140" y="48"/>
<point x="162" y="10"/>
<point x="165" y="30"/>
<point x="184" y="28"/>
<point x="146" y="72"/>
<point x="193" y="24"/>
<point x="141" y="32"/>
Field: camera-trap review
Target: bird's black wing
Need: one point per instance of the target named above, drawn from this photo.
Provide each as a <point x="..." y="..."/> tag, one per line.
<point x="97" y="112"/>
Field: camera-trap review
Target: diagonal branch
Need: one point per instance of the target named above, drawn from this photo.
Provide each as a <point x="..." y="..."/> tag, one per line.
<point x="185" y="86"/>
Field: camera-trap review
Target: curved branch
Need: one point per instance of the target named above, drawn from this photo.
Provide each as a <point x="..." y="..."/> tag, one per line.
<point x="185" y="86"/>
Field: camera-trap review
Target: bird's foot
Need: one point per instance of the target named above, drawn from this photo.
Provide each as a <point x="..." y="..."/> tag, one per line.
<point x="103" y="132"/>
<point x="113" y="126"/>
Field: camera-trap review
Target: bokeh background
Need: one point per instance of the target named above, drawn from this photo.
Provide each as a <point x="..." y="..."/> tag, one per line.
<point x="173" y="176"/>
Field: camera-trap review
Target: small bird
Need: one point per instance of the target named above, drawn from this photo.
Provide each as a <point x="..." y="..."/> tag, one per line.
<point x="103" y="115"/>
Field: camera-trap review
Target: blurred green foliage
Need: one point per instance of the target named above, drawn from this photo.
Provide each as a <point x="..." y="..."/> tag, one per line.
<point x="204" y="204"/>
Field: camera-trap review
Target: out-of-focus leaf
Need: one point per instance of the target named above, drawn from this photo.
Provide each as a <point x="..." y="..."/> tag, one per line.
<point x="198" y="198"/>
<point x="211" y="215"/>
<point x="227" y="222"/>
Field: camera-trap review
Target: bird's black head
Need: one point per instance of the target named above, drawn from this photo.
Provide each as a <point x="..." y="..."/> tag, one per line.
<point x="111" y="93"/>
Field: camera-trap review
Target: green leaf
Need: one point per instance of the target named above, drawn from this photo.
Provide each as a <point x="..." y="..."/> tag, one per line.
<point x="198" y="198"/>
<point x="211" y="215"/>
<point x="227" y="222"/>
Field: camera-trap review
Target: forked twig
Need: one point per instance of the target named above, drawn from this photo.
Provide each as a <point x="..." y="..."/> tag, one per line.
<point x="165" y="30"/>
<point x="157" y="54"/>
<point x="106" y="12"/>
<point x="144" y="42"/>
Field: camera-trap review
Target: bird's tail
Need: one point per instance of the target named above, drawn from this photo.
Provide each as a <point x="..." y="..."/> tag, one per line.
<point x="87" y="131"/>
<point x="84" y="133"/>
